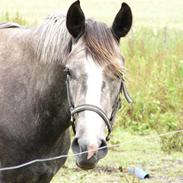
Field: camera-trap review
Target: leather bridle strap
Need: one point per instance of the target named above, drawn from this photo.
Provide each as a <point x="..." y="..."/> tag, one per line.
<point x="93" y="108"/>
<point x="71" y="105"/>
<point x="126" y="94"/>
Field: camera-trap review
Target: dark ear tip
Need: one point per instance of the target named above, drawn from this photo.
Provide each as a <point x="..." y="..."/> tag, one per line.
<point x="76" y="3"/>
<point x="125" y="5"/>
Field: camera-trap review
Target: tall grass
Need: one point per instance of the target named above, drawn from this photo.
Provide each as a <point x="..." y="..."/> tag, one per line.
<point x="6" y="17"/>
<point x="154" y="59"/>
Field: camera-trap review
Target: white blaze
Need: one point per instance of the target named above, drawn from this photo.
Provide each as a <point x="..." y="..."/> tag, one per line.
<point x="94" y="123"/>
<point x="94" y="83"/>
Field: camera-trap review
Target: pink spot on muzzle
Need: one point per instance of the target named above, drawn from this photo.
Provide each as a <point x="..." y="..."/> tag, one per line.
<point x="92" y="150"/>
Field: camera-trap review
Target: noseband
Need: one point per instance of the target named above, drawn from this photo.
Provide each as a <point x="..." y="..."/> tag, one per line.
<point x="89" y="107"/>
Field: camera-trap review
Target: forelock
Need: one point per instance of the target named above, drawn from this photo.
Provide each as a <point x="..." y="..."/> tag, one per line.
<point x="101" y="45"/>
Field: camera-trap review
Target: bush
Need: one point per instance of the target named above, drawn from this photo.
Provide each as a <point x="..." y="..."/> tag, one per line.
<point x="155" y="72"/>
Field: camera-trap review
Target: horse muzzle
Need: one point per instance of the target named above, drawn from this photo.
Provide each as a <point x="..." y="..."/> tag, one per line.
<point x="87" y="156"/>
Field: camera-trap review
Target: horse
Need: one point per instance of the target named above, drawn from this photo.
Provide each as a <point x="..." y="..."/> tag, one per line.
<point x="66" y="71"/>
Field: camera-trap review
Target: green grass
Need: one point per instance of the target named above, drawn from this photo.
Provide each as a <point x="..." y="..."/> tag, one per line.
<point x="134" y="151"/>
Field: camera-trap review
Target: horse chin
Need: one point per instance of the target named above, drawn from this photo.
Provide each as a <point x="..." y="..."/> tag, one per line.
<point x="84" y="167"/>
<point x="86" y="164"/>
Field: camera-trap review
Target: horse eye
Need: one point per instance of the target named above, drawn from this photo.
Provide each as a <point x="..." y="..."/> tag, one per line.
<point x="72" y="74"/>
<point x="103" y="85"/>
<point x="67" y="70"/>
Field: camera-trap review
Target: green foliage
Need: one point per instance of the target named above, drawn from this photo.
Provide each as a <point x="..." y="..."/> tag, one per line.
<point x="155" y="72"/>
<point x="14" y="18"/>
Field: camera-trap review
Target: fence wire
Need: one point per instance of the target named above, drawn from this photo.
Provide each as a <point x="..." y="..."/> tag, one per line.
<point x="77" y="154"/>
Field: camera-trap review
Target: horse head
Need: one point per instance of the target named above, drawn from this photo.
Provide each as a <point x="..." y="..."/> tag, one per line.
<point x="95" y="69"/>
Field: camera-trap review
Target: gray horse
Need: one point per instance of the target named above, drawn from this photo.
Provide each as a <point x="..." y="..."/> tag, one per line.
<point x="68" y="66"/>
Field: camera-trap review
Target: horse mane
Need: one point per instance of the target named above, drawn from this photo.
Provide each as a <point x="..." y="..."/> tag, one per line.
<point x="54" y="43"/>
<point x="53" y="39"/>
<point x="5" y="25"/>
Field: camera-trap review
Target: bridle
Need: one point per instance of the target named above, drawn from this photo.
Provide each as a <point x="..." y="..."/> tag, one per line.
<point x="89" y="107"/>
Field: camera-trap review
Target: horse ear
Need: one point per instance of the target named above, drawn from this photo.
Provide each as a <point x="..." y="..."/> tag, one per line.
<point x="75" y="20"/>
<point x="122" y="22"/>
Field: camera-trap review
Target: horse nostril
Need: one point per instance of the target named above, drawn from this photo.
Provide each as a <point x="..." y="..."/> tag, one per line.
<point x="75" y="146"/>
<point x="103" y="144"/>
<point x="102" y="149"/>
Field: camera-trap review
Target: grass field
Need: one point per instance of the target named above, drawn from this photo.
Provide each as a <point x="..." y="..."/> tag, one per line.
<point x="154" y="62"/>
<point x="134" y="151"/>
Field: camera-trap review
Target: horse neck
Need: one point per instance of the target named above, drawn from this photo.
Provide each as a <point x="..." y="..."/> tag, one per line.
<point x="49" y="43"/>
